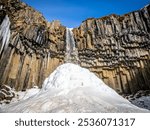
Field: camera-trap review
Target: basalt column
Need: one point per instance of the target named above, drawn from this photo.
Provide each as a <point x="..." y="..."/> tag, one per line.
<point x="30" y="47"/>
<point x="117" y="49"/>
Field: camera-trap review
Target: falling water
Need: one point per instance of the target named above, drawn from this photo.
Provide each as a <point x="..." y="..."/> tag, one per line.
<point x="71" y="50"/>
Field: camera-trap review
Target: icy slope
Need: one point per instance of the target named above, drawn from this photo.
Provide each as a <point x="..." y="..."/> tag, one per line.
<point x="71" y="88"/>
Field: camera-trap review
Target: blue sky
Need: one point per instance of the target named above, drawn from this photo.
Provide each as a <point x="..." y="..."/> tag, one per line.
<point x="72" y="12"/>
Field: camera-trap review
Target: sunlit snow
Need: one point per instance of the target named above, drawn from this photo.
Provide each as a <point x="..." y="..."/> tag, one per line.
<point x="71" y="88"/>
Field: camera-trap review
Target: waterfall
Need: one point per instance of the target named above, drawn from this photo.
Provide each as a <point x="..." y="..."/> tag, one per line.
<point x="71" y="50"/>
<point x="4" y="34"/>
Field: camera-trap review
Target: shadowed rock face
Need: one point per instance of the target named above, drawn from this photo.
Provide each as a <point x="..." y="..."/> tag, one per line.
<point x="116" y="48"/>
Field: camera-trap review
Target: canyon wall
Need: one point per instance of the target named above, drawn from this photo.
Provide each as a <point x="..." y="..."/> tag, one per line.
<point x="116" y="48"/>
<point x="30" y="47"/>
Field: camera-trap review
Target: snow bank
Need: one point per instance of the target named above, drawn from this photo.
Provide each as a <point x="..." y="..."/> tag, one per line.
<point x="21" y="95"/>
<point x="71" y="88"/>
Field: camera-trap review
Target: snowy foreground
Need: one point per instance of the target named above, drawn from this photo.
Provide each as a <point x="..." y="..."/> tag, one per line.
<point x="71" y="88"/>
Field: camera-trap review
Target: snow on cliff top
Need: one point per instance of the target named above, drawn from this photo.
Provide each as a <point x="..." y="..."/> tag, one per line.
<point x="71" y="88"/>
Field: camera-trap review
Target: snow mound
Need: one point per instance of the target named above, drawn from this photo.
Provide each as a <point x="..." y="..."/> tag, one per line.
<point x="71" y="88"/>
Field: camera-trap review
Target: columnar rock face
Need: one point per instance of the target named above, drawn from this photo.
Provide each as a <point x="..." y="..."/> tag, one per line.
<point x="117" y="49"/>
<point x="30" y="47"/>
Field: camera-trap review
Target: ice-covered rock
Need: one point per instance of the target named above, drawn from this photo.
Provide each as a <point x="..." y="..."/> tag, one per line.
<point x="4" y="33"/>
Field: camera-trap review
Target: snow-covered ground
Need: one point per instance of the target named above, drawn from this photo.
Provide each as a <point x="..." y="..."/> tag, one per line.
<point x="71" y="88"/>
<point x="23" y="95"/>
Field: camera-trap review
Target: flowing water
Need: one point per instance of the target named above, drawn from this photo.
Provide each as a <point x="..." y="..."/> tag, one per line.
<point x="71" y="50"/>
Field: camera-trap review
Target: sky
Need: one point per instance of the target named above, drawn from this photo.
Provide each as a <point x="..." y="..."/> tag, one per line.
<point x="72" y="12"/>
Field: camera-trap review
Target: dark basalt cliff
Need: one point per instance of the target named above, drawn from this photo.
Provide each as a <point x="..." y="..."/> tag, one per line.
<point x="116" y="48"/>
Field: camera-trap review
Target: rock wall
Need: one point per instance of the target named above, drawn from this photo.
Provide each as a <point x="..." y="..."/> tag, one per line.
<point x="117" y="49"/>
<point x="33" y="49"/>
